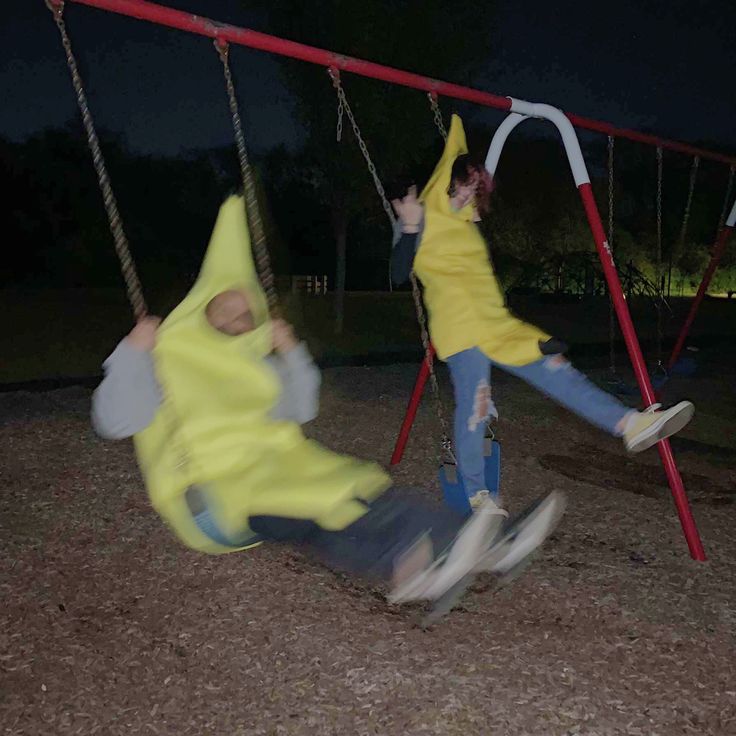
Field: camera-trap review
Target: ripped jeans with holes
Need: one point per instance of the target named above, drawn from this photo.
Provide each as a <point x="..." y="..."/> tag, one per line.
<point x="553" y="375"/>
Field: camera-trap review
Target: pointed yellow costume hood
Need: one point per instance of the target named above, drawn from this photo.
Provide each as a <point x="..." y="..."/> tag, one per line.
<point x="465" y="302"/>
<point x="213" y="430"/>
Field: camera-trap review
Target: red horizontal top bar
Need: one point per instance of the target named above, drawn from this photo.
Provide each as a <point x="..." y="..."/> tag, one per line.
<point x="163" y="15"/>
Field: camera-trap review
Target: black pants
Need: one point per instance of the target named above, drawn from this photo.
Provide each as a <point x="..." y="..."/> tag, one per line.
<point x="369" y="546"/>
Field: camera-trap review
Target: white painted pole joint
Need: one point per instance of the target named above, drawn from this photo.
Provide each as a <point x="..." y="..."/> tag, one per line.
<point x="731" y="219"/>
<point x="522" y="110"/>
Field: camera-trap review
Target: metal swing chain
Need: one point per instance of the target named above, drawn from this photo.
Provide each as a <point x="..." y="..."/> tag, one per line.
<point x="686" y="214"/>
<point x="437" y="113"/>
<point x="659" y="293"/>
<point x="344" y="105"/>
<point x="726" y="199"/>
<point x="260" y="247"/>
<point x="122" y="248"/>
<point x="611" y="309"/>
<point x="446" y="441"/>
<point x="340" y="111"/>
<point x="691" y="189"/>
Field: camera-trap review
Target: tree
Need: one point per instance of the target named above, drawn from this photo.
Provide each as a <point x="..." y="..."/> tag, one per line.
<point x="436" y="38"/>
<point x="55" y="218"/>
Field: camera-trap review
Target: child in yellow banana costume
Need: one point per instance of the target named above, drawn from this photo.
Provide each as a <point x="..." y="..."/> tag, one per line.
<point x="214" y="397"/>
<point x="472" y="328"/>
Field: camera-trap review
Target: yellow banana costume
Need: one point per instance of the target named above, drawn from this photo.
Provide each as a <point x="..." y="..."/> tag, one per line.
<point x="213" y="430"/>
<point x="465" y="302"/>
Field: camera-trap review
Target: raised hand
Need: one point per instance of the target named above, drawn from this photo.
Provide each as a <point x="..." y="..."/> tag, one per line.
<point x="409" y="211"/>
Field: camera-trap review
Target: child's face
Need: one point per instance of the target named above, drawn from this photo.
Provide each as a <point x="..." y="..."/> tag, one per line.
<point x="229" y="312"/>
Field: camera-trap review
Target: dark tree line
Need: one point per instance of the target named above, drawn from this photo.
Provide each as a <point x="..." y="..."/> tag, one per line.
<point x="319" y="202"/>
<point x="56" y="233"/>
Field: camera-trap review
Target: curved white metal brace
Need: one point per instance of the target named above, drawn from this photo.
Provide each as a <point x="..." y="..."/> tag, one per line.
<point x="499" y="140"/>
<point x="522" y="110"/>
<point x="731" y="221"/>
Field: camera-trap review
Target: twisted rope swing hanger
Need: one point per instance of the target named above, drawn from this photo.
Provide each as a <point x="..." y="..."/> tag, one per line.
<point x="128" y="269"/>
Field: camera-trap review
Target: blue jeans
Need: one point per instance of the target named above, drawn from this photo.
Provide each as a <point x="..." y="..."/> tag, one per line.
<point x="554" y="376"/>
<point x="368" y="547"/>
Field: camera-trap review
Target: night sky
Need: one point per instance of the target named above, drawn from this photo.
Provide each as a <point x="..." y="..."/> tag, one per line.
<point x="667" y="66"/>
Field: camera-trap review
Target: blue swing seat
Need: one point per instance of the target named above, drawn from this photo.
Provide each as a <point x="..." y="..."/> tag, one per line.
<point x="452" y="486"/>
<point x="618" y="386"/>
<point x="685" y="365"/>
<point x="196" y="499"/>
<point x="659" y="379"/>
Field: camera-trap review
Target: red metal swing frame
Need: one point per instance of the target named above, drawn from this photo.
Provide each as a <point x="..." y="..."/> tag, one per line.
<point x="519" y="111"/>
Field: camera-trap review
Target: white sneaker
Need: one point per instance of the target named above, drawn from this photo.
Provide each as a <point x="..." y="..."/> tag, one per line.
<point x="414" y="586"/>
<point x="523" y="534"/>
<point x="462" y="557"/>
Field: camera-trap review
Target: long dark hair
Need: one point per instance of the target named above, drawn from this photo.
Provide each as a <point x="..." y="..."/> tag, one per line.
<point x="463" y="169"/>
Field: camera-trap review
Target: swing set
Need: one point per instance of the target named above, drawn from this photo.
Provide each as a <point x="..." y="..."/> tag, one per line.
<point x="518" y="112"/>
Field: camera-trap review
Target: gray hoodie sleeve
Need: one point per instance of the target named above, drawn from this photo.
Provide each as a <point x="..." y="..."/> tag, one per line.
<point x="129" y="396"/>
<point x="300" y="379"/>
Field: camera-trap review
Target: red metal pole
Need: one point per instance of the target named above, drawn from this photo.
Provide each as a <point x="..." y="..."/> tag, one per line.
<point x="165" y="16"/>
<point x="245" y="37"/>
<point x="642" y="376"/>
<point x="411" y="409"/>
<point x="718" y="248"/>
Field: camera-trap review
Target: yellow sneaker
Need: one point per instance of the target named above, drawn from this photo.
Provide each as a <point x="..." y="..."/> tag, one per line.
<point x="646" y="428"/>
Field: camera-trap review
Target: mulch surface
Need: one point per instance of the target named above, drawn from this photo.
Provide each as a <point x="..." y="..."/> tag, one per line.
<point x="108" y="626"/>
